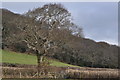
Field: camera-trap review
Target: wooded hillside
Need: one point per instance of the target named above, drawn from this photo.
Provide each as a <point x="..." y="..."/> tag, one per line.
<point x="76" y="50"/>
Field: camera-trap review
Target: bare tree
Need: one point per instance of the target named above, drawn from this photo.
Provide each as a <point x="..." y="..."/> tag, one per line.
<point x="50" y="18"/>
<point x="37" y="31"/>
<point x="38" y="27"/>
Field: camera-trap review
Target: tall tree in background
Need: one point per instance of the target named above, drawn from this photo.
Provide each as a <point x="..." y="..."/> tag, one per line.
<point x="76" y="30"/>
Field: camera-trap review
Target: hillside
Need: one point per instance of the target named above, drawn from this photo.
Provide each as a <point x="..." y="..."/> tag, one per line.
<point x="20" y="58"/>
<point x="77" y="51"/>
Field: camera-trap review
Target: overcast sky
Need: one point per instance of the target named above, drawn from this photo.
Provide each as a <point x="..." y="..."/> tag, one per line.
<point x="99" y="20"/>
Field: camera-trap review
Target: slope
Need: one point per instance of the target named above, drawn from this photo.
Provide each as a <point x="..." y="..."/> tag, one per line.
<point x="20" y="58"/>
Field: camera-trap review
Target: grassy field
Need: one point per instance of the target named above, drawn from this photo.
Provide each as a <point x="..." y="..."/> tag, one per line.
<point x="20" y="58"/>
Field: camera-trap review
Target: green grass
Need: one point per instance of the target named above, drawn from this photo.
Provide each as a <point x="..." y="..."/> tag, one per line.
<point x="60" y="64"/>
<point x="20" y="58"/>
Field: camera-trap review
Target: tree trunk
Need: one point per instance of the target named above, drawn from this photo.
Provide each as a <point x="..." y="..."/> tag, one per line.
<point x="39" y="61"/>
